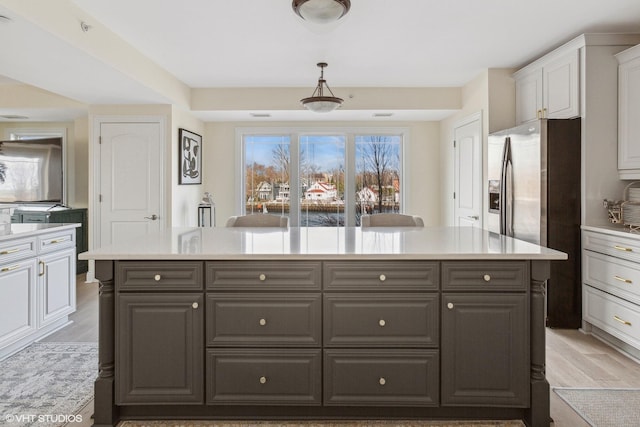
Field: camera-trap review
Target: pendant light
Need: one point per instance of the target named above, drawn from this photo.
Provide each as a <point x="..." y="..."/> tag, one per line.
<point x="318" y="102"/>
<point x="321" y="11"/>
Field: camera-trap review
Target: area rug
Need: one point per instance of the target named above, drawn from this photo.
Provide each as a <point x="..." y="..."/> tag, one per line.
<point x="604" y="407"/>
<point x="46" y="384"/>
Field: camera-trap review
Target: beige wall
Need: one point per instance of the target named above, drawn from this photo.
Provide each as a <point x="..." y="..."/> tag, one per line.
<point x="422" y="164"/>
<point x="492" y="93"/>
<point x="185" y="198"/>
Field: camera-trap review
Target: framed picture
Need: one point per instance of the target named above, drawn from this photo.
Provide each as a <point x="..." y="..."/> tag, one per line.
<point x="190" y="155"/>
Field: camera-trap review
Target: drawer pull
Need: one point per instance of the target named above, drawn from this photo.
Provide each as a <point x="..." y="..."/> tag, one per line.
<point x="11" y="268"/>
<point x="486" y="278"/>
<point x="383" y="277"/>
<point x="382" y="381"/>
<point x="622" y="279"/>
<point x="381" y="322"/>
<point x="450" y="306"/>
<point x="622" y="248"/>
<point x="53" y="242"/>
<point x="263" y="380"/>
<point x="194" y="305"/>
<point x="41" y="268"/>
<point x="262" y="277"/>
<point x="157" y="277"/>
<point x="624" y="322"/>
<point x="263" y="322"/>
<point x="10" y="251"/>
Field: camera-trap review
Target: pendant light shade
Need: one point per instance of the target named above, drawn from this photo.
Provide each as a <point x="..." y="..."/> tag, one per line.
<point x="321" y="11"/>
<point x="318" y="102"/>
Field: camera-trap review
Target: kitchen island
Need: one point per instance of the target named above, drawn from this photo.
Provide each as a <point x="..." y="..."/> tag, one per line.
<point x="322" y="323"/>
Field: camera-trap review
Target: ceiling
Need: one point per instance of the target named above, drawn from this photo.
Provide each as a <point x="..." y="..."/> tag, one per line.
<point x="263" y="44"/>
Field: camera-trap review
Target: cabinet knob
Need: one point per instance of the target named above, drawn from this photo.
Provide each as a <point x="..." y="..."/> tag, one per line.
<point x="382" y="381"/>
<point x="263" y="380"/>
<point x="157" y="277"/>
<point x="486" y="278"/>
<point x="381" y="322"/>
<point x="383" y="277"/>
<point x="263" y="322"/>
<point x="262" y="277"/>
<point x="450" y="305"/>
<point x="194" y="305"/>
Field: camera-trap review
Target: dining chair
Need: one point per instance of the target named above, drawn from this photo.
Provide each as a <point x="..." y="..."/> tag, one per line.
<point x="258" y="220"/>
<point x="391" y="220"/>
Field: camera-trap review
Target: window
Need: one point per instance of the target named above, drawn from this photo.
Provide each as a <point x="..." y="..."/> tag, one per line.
<point x="321" y="179"/>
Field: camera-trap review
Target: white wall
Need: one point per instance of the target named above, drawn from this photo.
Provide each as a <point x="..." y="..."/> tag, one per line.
<point x="422" y="163"/>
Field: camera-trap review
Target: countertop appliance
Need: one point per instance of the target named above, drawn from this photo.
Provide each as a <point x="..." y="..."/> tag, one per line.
<point x="534" y="195"/>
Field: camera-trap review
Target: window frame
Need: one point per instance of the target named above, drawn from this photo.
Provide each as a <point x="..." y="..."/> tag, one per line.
<point x="295" y="134"/>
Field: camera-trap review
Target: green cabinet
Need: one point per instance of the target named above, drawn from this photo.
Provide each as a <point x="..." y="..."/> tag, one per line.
<point x="77" y="216"/>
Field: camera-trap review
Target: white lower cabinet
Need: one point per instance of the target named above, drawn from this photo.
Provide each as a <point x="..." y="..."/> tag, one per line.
<point x="37" y="287"/>
<point x="611" y="287"/>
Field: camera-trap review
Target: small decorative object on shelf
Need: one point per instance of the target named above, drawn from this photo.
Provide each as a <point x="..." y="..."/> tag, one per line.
<point x="207" y="211"/>
<point x="630" y="207"/>
<point x="615" y="210"/>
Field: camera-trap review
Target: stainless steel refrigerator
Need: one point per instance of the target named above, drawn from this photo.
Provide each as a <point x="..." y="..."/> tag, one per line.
<point x="534" y="195"/>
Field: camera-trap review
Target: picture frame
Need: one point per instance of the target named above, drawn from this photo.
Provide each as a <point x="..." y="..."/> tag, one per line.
<point x="190" y="157"/>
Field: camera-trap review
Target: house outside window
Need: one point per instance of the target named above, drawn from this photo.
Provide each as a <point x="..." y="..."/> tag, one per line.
<point x="321" y="178"/>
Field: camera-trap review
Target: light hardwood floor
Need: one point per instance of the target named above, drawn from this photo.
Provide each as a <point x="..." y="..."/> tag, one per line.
<point x="573" y="358"/>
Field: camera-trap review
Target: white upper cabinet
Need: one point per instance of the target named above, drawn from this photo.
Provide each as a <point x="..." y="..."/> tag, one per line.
<point x="549" y="88"/>
<point x="629" y="113"/>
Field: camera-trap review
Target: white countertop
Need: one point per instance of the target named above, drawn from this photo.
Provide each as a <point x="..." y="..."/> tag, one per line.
<point x="613" y="229"/>
<point x="20" y="230"/>
<point x="323" y="243"/>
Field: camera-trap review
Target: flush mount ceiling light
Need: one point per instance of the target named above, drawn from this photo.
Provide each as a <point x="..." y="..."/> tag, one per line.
<point x="319" y="103"/>
<point x="321" y="11"/>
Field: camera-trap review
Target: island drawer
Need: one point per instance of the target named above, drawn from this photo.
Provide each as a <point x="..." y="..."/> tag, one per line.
<point x="381" y="320"/>
<point x="381" y="377"/>
<point x="613" y="275"/>
<point x="262" y="275"/>
<point x="158" y="275"/>
<point x="17" y="249"/>
<point x="618" y="246"/>
<point x="264" y="377"/>
<point x="614" y="315"/>
<point x="53" y="242"/>
<point x="255" y="320"/>
<point x="380" y="275"/>
<point x="485" y="276"/>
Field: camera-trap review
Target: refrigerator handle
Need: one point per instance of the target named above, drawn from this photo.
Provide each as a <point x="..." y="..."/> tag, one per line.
<point x="506" y="190"/>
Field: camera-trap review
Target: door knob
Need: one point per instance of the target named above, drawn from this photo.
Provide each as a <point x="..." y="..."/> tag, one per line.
<point x="474" y="217"/>
<point x="152" y="217"/>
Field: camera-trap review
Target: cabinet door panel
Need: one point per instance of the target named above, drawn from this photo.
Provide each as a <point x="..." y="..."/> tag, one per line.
<point x="629" y="111"/>
<point x="264" y="377"/>
<point x="57" y="286"/>
<point x="561" y="87"/>
<point x="529" y="96"/>
<point x="485" y="350"/>
<point x="264" y="320"/>
<point x="160" y="349"/>
<point x="381" y="377"/>
<point x="17" y="300"/>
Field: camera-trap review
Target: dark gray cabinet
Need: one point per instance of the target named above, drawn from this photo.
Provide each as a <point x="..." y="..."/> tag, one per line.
<point x="485" y="335"/>
<point x="159" y="328"/>
<point x="77" y="216"/>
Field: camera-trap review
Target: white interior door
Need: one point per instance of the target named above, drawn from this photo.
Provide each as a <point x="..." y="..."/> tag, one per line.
<point x="130" y="193"/>
<point x="468" y="173"/>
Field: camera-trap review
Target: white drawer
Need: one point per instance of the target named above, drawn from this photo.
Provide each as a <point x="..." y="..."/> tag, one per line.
<point x="617" y="246"/>
<point x="612" y="314"/>
<point x="17" y="249"/>
<point x="613" y="275"/>
<point x="55" y="241"/>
